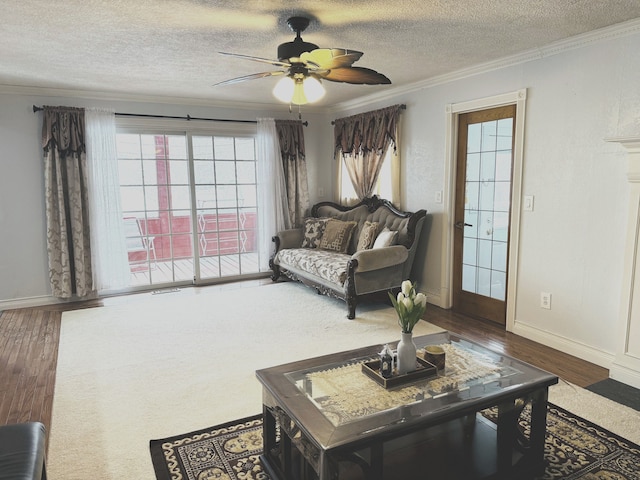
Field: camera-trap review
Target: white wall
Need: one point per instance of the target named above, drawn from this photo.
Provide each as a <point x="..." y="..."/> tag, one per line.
<point x="571" y="244"/>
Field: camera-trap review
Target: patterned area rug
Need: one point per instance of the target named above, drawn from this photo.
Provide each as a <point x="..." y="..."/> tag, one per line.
<point x="574" y="449"/>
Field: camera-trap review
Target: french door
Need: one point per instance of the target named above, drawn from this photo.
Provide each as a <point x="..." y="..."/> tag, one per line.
<point x="189" y="206"/>
<point x="482" y="212"/>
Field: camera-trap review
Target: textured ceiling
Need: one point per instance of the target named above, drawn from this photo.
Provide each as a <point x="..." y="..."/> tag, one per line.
<point x="169" y="47"/>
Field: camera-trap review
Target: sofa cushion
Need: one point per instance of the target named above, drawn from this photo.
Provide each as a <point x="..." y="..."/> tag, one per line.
<point x="313" y="230"/>
<point x="386" y="238"/>
<point x="368" y="235"/>
<point x="337" y="235"/>
<point x="384" y="216"/>
<point x="325" y="264"/>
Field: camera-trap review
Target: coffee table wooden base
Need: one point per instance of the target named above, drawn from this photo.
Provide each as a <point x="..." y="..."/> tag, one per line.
<point x="464" y="448"/>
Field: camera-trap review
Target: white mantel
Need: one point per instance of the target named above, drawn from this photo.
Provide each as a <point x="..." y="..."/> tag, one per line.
<point x="626" y="366"/>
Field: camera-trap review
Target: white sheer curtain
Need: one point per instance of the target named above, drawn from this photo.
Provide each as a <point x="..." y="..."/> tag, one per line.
<point x="272" y="193"/>
<point x="108" y="246"/>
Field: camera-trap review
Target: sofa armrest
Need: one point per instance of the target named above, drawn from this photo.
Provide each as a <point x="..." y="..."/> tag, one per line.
<point x="291" y="238"/>
<point x="377" y="258"/>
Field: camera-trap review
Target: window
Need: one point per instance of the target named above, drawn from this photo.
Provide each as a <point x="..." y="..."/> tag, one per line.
<point x="189" y="204"/>
<point x="384" y="185"/>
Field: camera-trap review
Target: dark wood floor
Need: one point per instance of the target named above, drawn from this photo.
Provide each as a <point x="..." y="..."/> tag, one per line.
<point x="29" y="351"/>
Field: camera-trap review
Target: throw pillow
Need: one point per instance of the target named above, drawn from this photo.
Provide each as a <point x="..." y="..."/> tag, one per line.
<point x="386" y="238"/>
<point x="367" y="235"/>
<point x="313" y="230"/>
<point x="337" y="235"/>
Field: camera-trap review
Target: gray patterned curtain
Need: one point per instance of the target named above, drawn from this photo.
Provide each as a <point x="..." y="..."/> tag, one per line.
<point x="362" y="141"/>
<point x="291" y="138"/>
<point x="66" y="202"/>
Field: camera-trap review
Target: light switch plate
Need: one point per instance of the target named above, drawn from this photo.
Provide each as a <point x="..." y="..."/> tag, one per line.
<point x="528" y="203"/>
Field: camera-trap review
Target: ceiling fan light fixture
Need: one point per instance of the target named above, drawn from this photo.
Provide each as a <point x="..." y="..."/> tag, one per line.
<point x="298" y="91"/>
<point x="283" y="90"/>
<point x="313" y="89"/>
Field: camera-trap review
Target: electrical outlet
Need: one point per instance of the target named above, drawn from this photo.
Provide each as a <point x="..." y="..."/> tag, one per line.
<point x="321" y="192"/>
<point x="439" y="196"/>
<point x="545" y="300"/>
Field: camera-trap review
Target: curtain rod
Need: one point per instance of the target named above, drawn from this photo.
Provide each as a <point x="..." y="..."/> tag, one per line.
<point x="402" y="107"/>
<point x="188" y="117"/>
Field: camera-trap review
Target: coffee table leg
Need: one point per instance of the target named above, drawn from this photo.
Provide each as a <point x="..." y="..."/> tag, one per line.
<point x="538" y="429"/>
<point x="377" y="461"/>
<point x="507" y="418"/>
<point x="508" y="439"/>
<point x="269" y="443"/>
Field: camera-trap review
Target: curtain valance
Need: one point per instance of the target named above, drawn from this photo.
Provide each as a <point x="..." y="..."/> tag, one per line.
<point x="291" y="137"/>
<point x="63" y="128"/>
<point x="366" y="132"/>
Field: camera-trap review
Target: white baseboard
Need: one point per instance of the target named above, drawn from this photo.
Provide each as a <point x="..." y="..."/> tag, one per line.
<point x="434" y="298"/>
<point x="29" y="302"/>
<point x="625" y="375"/>
<point x="577" y="349"/>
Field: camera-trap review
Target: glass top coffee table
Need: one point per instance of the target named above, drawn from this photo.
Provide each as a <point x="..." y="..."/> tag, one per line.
<point x="325" y="418"/>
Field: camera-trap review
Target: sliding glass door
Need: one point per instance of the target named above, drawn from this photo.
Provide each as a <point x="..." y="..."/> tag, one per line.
<point x="189" y="206"/>
<point x="226" y="205"/>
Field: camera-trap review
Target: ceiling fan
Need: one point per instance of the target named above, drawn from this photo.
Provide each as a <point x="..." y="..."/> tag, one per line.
<point x="304" y="65"/>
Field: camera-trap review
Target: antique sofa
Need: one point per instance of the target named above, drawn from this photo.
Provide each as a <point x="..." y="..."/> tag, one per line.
<point x="348" y="252"/>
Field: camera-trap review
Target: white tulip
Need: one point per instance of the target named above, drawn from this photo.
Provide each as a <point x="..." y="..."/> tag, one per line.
<point x="400" y="298"/>
<point x="421" y="299"/>
<point x="406" y="287"/>
<point x="408" y="303"/>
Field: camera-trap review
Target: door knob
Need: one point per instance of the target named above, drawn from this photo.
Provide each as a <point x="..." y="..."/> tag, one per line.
<point x="461" y="225"/>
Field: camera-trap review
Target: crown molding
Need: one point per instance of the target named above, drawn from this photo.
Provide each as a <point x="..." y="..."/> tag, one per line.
<point x="630" y="27"/>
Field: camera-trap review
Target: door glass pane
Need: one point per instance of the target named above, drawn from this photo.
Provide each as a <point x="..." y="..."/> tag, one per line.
<point x="487" y="206"/>
<point x="501" y="226"/>
<point x="499" y="256"/>
<point x="470" y="251"/>
<point x="202" y="148"/>
<point x="226" y="206"/>
<point x="484" y="282"/>
<point x="487" y="190"/>
<point x="226" y="173"/>
<point x="473" y="167"/>
<point x="498" y="284"/>
<point x="156" y="204"/>
<point x="474" y="138"/>
<point x="469" y="275"/>
<point x="484" y="253"/>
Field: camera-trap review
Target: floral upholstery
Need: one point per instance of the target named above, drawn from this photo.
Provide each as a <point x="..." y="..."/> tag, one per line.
<point x="331" y="266"/>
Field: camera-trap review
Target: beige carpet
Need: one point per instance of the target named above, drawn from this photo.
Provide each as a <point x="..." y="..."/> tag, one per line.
<point x="179" y="362"/>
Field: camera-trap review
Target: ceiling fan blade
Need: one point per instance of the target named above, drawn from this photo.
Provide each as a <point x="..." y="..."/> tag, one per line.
<point x="355" y="75"/>
<point x="253" y="76"/>
<point x="328" y="58"/>
<point x="277" y="63"/>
